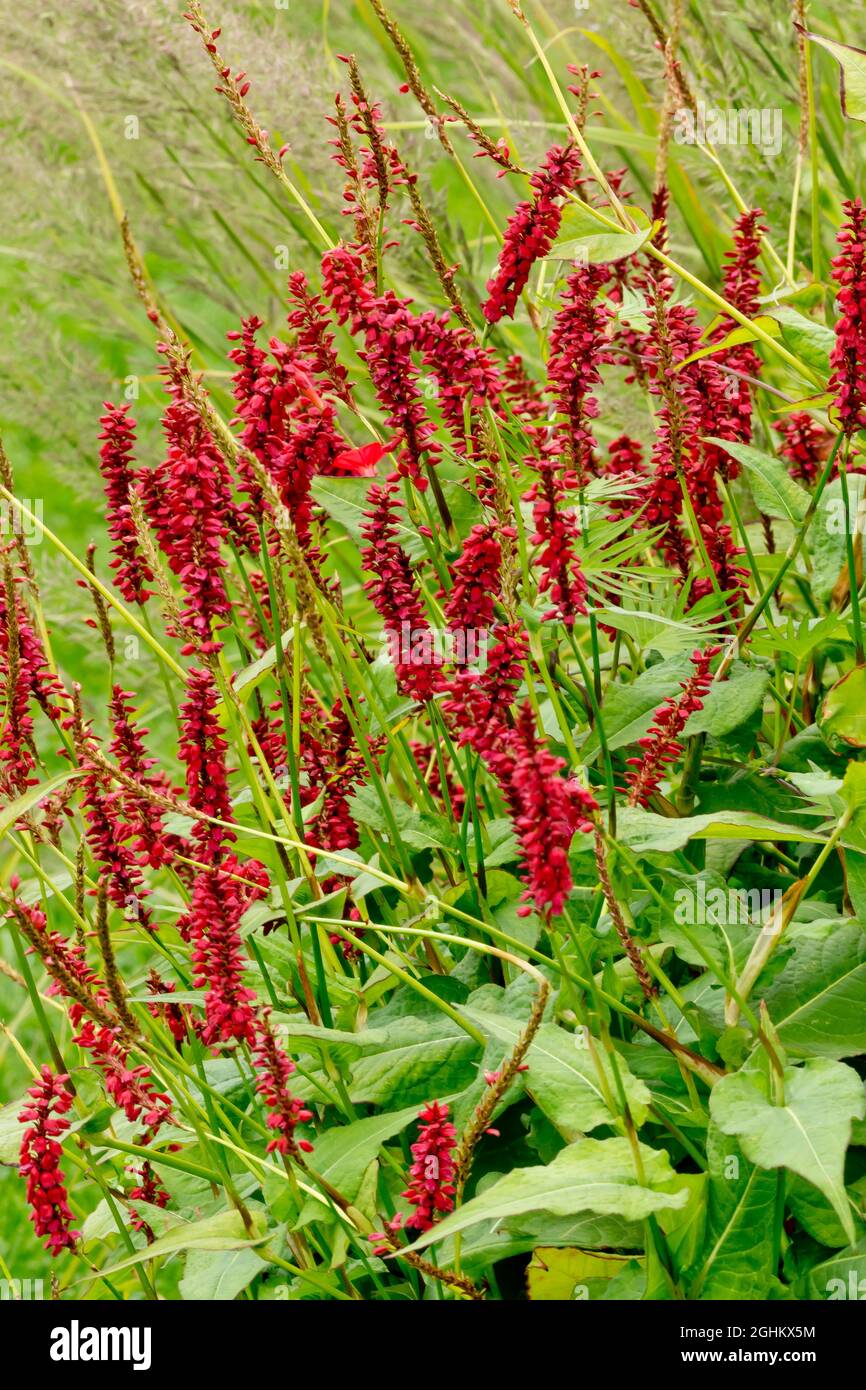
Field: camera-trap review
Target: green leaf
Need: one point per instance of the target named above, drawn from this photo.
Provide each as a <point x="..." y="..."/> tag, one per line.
<point x="225" y="1231"/>
<point x="808" y="1134"/>
<point x="815" y="1214"/>
<point x="842" y="1277"/>
<point x="651" y="631"/>
<point x="735" y="338"/>
<point x="417" y="829"/>
<point x="345" y="500"/>
<point x="852" y="75"/>
<point x="773" y="488"/>
<point x="645" y="832"/>
<point x="218" y="1276"/>
<point x="11" y="1131"/>
<point x="582" y="238"/>
<point x="586" y="1229"/>
<point x="629" y="708"/>
<point x="809" y="340"/>
<point x="818" y="1002"/>
<point x="491" y="1241"/>
<point x="562" y="1077"/>
<point x="842" y="718"/>
<point x="345" y="1152"/>
<point x="301" y="1035"/>
<point x="730" y="703"/>
<point x="12" y="813"/>
<point x="736" y="1261"/>
<point x="827" y="534"/>
<point x="245" y="682"/>
<point x="556" y="1276"/>
<point x="592" y="1175"/>
<point x="419" y="1059"/>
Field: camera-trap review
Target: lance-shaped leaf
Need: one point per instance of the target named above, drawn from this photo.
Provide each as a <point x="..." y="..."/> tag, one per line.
<point x="818" y="1002"/>
<point x="583" y="238"/>
<point x="225" y="1231"/>
<point x="563" y="1078"/>
<point x="344" y="1153"/>
<point x="774" y="490"/>
<point x="852" y="74"/>
<point x="808" y="1134"/>
<point x="736" y="1260"/>
<point x="593" y="1175"/>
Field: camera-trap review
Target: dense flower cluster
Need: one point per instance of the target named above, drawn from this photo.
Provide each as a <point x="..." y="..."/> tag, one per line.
<point x="848" y="358"/>
<point x="274" y="1068"/>
<point x="131" y="571"/>
<point x="220" y="897"/>
<point x="140" y="799"/>
<point x="578" y="350"/>
<point x="394" y="594"/>
<point x="661" y="744"/>
<point x="547" y="811"/>
<point x="557" y="529"/>
<point x="26" y="680"/>
<point x="388" y="328"/>
<point x="475" y="576"/>
<point x="431" y="1176"/>
<point x="45" y="1118"/>
<point x="460" y="518"/>
<point x="806" y="444"/>
<point x="531" y="231"/>
<point x="202" y="749"/>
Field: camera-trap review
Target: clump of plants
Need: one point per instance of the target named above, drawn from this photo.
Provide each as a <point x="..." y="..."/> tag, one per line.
<point x="482" y="917"/>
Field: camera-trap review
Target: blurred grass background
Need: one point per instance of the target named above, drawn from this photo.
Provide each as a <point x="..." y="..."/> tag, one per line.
<point x="219" y="238"/>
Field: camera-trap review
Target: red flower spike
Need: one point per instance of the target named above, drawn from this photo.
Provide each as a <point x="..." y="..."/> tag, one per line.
<point x="661" y="744"/>
<point x="203" y="749"/>
<point x="848" y="358"/>
<point x="219" y="901"/>
<point x="394" y="594"/>
<point x="40" y="1155"/>
<point x="546" y="809"/>
<point x="131" y="571"/>
<point x="806" y="445"/>
<point x="273" y="1068"/>
<point x="431" y="1186"/>
<point x="531" y="231"/>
